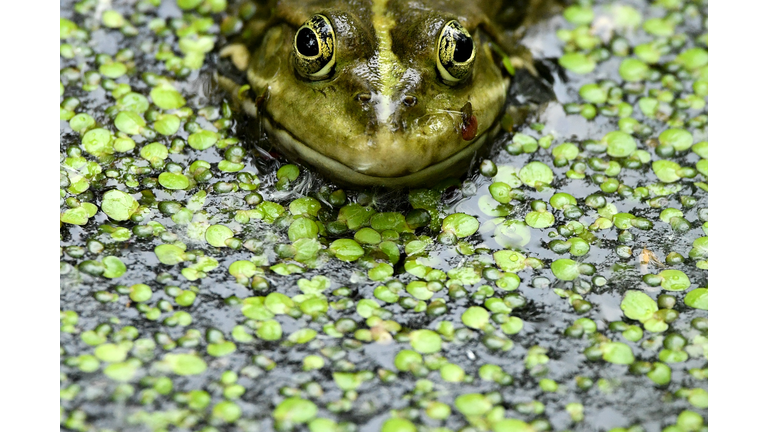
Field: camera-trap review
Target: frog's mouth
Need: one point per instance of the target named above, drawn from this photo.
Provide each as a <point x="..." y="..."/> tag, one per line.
<point x="296" y="150"/>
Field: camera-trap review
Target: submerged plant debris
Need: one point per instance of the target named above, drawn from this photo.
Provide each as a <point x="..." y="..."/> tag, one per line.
<point x="209" y="286"/>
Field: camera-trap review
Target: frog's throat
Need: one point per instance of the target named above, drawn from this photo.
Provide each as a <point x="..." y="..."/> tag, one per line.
<point x="296" y="150"/>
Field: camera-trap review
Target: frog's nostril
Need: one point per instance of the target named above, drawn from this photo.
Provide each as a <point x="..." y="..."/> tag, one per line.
<point x="410" y="101"/>
<point x="363" y="97"/>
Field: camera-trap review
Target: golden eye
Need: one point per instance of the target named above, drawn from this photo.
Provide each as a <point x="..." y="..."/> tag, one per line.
<point x="455" y="53"/>
<point x="314" y="48"/>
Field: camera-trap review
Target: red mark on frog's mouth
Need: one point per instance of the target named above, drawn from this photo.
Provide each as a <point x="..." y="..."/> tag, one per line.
<point x="468" y="122"/>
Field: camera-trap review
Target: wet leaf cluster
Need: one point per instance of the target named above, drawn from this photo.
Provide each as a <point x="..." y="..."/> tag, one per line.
<point x="208" y="285"/>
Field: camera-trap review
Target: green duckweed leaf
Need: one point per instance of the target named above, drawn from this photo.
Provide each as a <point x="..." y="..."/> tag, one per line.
<point x="173" y="181"/>
<point x="565" y="269"/>
<point x="295" y="410"/>
<point x="166" y="97"/>
<point x="475" y="317"/>
<point x="226" y="411"/>
<point x="98" y="142"/>
<point x="217" y="235"/>
<point x="619" y="144"/>
<point x="577" y="63"/>
<point x="154" y="152"/>
<point x="398" y="425"/>
<point x="680" y="139"/>
<point x="473" y="404"/>
<point x="113" y="267"/>
<point x="562" y="200"/>
<point x="661" y="374"/>
<point x="134" y="102"/>
<point x="122" y="372"/>
<point x="185" y="364"/>
<point x="203" y="139"/>
<point x="638" y="306"/>
<point x="118" y="205"/>
<point x="130" y="123"/>
<point x="112" y="19"/>
<point x="113" y="70"/>
<point x="617" y="353"/>
<point x="66" y="28"/>
<point x="666" y="171"/>
<point x="221" y="349"/>
<point x="111" y="353"/>
<point x="75" y="216"/>
<point x="512" y="425"/>
<point x="302" y="336"/>
<point x="425" y="341"/>
<point x="461" y="225"/>
<point x="510" y="261"/>
<point x="674" y="280"/>
<point x="697" y="299"/>
<point x="579" y="15"/>
<point x="167" y="124"/>
<point x="659" y="27"/>
<point x="405" y="360"/>
<point x="169" y="254"/>
<point x="346" y="250"/>
<point x="702" y="166"/>
<point x="539" y="219"/>
<point x="693" y="58"/>
<point x="633" y="70"/>
<point x="567" y="151"/>
<point x="626" y="16"/>
<point x="140" y="293"/>
<point x="347" y="380"/>
<point x="512" y="233"/>
<point x="536" y="173"/>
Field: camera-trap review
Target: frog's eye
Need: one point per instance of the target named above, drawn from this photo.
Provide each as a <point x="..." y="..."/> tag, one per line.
<point x="314" y="48"/>
<point x="455" y="53"/>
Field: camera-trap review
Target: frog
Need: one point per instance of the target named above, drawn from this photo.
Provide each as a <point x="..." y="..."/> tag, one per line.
<point x="381" y="93"/>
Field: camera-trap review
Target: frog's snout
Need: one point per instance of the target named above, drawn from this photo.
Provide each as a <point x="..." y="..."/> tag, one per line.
<point x="406" y="101"/>
<point x="363" y="98"/>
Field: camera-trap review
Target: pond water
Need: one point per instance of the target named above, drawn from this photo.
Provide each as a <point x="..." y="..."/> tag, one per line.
<point x="560" y="285"/>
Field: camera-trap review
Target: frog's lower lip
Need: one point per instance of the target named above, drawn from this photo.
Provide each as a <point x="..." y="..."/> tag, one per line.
<point x="333" y="169"/>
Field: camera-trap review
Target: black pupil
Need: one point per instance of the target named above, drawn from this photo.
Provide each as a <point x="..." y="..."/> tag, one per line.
<point x="306" y="42"/>
<point x="463" y="50"/>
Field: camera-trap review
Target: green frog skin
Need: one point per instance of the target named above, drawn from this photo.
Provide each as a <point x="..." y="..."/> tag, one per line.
<point x="392" y="93"/>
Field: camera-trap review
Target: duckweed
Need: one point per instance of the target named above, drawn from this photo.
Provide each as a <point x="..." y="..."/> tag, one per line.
<point x="475" y="317"/>
<point x="185" y="364"/>
<point x="473" y="404"/>
<point x="565" y="269"/>
<point x="398" y="425"/>
<point x="217" y="235"/>
<point x="203" y="139"/>
<point x="674" y="280"/>
<point x="620" y="144"/>
<point x="577" y="63"/>
<point x="190" y="260"/>
<point x="295" y="410"/>
<point x="536" y="173"/>
<point x="697" y="298"/>
<point x="461" y="225"/>
<point x="617" y="353"/>
<point x="425" y="341"/>
<point x="346" y="249"/>
<point x="119" y="205"/>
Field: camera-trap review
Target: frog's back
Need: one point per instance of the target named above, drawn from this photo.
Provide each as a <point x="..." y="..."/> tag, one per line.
<point x="506" y="14"/>
<point x="497" y="16"/>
